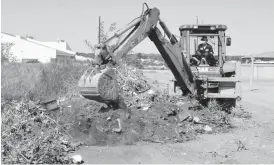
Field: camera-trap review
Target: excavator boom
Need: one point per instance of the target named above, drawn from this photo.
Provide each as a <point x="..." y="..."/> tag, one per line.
<point x="142" y="27"/>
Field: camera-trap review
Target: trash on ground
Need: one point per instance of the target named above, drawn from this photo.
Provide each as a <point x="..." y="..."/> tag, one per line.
<point x="207" y="128"/>
<point x="76" y="159"/>
<point x="120" y="126"/>
<point x="184" y="115"/>
<point x="196" y="120"/>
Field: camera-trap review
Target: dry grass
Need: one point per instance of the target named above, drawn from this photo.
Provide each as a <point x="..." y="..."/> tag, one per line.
<point x="39" y="81"/>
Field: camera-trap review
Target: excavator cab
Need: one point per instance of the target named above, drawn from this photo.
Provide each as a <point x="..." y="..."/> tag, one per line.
<point x="217" y="78"/>
<point x="192" y="36"/>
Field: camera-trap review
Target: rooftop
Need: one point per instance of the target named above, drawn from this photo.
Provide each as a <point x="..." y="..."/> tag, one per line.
<point x="63" y="51"/>
<point x="261" y="55"/>
<point x="203" y="26"/>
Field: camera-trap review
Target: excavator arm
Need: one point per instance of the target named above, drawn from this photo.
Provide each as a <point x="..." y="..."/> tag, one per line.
<point x="142" y="27"/>
<point x="175" y="61"/>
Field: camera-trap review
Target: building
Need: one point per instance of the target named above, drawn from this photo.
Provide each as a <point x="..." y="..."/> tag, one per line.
<point x="84" y="59"/>
<point x="262" y="68"/>
<point x="26" y="49"/>
<point x="262" y="58"/>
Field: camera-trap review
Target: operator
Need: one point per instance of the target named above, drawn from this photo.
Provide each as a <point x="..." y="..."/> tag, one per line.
<point x="205" y="51"/>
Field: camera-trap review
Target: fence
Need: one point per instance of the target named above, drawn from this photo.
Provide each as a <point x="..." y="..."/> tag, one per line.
<point x="260" y="71"/>
<point x="258" y="74"/>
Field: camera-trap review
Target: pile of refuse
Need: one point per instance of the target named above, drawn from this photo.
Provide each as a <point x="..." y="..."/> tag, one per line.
<point x="30" y="135"/>
<point x="151" y="114"/>
<point x="136" y="89"/>
<point x="160" y="123"/>
<point x="131" y="81"/>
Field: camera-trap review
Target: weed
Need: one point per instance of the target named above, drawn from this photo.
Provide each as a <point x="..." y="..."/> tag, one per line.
<point x="39" y="81"/>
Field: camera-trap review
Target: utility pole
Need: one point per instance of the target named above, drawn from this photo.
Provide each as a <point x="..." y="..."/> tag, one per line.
<point x="197" y="20"/>
<point x="99" y="30"/>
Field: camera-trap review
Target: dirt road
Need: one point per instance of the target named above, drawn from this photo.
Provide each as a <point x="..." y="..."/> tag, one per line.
<point x="254" y="138"/>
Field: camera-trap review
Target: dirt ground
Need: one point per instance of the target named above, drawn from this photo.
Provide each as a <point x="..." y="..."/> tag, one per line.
<point x="251" y="142"/>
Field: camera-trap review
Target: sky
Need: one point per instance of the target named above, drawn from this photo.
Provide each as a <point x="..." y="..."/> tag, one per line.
<point x="250" y="22"/>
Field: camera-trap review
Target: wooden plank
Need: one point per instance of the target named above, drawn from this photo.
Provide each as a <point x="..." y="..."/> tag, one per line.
<point x="222" y="79"/>
<point x="218" y="95"/>
<point x="49" y="105"/>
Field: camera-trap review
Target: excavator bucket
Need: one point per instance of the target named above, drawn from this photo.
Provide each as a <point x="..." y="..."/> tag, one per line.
<point x="99" y="85"/>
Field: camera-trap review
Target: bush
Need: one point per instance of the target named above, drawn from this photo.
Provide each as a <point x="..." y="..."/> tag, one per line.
<point x="39" y="81"/>
<point x="31" y="135"/>
<point x="6" y="54"/>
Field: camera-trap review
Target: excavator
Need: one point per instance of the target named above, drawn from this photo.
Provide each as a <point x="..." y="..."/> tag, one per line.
<point x="220" y="81"/>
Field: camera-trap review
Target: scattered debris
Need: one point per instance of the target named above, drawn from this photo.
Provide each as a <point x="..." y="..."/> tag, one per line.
<point x="77" y="159"/>
<point x="208" y="128"/>
<point x="31" y="105"/>
<point x="184" y="115"/>
<point x="237" y="112"/>
<point x="145" y="108"/>
<point x="32" y="136"/>
<point x="159" y="122"/>
<point x="196" y="120"/>
<point x="131" y="81"/>
<point x="241" y="146"/>
<point x="120" y="126"/>
<point x="180" y="103"/>
<point x="49" y="104"/>
<point x="150" y="92"/>
<point x="214" y="154"/>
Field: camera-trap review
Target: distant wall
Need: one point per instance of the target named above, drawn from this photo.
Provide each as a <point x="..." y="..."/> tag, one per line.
<point x="261" y="71"/>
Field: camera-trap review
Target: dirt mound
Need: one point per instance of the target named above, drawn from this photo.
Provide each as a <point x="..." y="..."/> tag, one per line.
<point x="160" y="122"/>
<point x="150" y="114"/>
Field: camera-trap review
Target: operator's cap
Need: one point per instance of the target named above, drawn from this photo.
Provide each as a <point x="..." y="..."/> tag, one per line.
<point x="204" y="38"/>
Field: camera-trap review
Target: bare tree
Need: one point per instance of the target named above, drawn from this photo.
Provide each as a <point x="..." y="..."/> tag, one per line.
<point x="103" y="35"/>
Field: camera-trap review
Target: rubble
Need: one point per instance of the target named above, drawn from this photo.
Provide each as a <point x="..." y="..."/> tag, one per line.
<point x="131" y="81"/>
<point x="77" y="159"/>
<point x="119" y="129"/>
<point x="156" y="122"/>
<point x="207" y="128"/>
<point x="150" y="92"/>
<point x="29" y="135"/>
<point x="196" y="120"/>
<point x="184" y="115"/>
<point x="145" y="108"/>
<point x="240" y="145"/>
<point x="180" y="103"/>
<point x="150" y="114"/>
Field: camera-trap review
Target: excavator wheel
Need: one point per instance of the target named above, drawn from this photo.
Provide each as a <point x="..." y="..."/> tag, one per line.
<point x="99" y="85"/>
